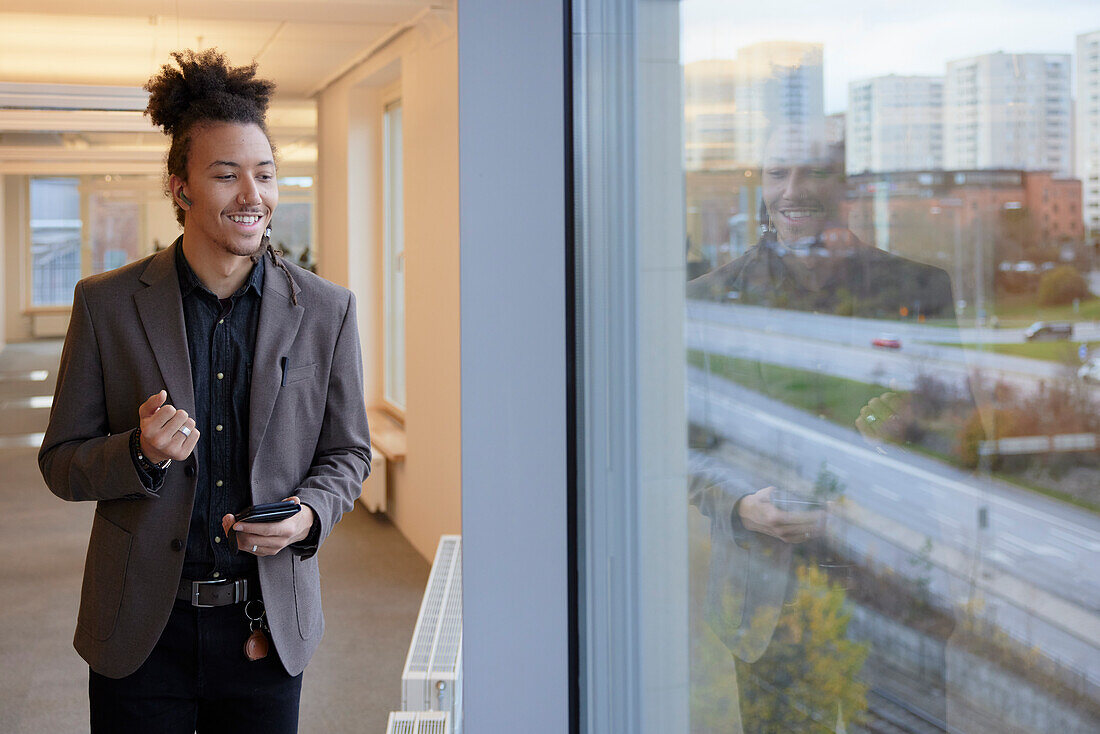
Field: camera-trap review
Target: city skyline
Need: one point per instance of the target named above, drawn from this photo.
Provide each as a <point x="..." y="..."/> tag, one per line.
<point x="872" y="40"/>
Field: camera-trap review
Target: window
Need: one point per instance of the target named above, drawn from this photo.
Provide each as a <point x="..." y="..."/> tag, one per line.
<point x="85" y="225"/>
<point x="55" y="228"/>
<point x="393" y="253"/>
<point x="874" y="505"/>
<point x="292" y="226"/>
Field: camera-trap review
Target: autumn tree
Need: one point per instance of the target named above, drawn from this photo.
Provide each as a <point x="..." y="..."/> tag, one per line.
<point x="1062" y="285"/>
<point x="808" y="675"/>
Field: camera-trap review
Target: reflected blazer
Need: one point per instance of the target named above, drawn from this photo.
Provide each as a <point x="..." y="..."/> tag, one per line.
<point x="308" y="437"/>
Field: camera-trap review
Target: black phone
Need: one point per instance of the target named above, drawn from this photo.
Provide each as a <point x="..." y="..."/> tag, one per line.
<point x="269" y="512"/>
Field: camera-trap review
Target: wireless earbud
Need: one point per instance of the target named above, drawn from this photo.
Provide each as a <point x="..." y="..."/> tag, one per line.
<point x="184" y="197"/>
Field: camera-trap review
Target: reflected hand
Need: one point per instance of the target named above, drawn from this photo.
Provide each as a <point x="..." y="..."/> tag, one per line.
<point x="761" y="516"/>
<point x="873" y="416"/>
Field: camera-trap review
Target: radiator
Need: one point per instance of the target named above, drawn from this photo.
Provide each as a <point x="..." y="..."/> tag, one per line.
<point x="419" y="722"/>
<point x="432" y="677"/>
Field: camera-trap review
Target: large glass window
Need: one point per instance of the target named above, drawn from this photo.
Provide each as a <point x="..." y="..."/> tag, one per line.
<point x="893" y="432"/>
<point x="393" y="254"/>
<point x="885" y="512"/>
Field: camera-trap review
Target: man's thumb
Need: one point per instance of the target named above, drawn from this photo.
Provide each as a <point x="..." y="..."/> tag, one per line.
<point x="151" y="405"/>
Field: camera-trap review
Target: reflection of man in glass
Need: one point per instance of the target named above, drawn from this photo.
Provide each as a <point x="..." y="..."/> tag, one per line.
<point x="763" y="597"/>
<point x="807" y="260"/>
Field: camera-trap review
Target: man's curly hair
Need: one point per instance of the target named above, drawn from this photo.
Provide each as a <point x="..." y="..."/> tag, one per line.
<point x="204" y="89"/>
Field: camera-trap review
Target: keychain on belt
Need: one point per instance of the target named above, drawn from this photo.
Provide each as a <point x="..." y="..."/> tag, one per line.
<point x="255" y="647"/>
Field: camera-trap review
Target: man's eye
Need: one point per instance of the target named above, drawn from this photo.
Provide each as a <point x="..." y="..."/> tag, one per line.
<point x="820" y="172"/>
<point x="776" y="172"/>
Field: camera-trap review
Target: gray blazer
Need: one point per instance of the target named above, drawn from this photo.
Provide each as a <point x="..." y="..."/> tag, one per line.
<point x="308" y="436"/>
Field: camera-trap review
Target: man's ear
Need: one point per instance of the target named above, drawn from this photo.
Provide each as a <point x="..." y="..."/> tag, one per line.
<point x="175" y="183"/>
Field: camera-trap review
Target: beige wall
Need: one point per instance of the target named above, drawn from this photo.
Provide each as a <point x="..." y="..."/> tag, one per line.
<point x="424" y="501"/>
<point x="17" y="325"/>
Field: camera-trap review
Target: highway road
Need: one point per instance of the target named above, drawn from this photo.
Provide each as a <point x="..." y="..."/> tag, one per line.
<point x="1036" y="563"/>
<point x="841" y="346"/>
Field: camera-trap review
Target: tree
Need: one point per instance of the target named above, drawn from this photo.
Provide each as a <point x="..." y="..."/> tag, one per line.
<point x="810" y="671"/>
<point x="1062" y="285"/>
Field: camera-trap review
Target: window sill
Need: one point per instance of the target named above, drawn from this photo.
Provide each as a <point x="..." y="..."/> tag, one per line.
<point x="387" y="435"/>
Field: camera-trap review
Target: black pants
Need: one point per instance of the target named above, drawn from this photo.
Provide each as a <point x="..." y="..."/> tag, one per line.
<point x="198" y="679"/>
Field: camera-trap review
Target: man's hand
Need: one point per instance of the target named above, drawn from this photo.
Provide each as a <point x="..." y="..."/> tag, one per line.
<point x="161" y="437"/>
<point x="268" y="538"/>
<point x="760" y="515"/>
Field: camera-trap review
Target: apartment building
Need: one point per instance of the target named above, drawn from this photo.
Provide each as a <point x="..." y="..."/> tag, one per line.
<point x="894" y="123"/>
<point x="1008" y="111"/>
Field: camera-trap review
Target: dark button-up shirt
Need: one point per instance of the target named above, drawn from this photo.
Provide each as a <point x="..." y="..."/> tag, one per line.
<point x="221" y="336"/>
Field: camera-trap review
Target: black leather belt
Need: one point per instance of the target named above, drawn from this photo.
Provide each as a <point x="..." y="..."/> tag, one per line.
<point x="217" y="592"/>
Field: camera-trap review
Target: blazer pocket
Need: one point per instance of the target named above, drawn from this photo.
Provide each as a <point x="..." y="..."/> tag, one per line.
<point x="297" y="374"/>
<point x="307" y="595"/>
<point x="104" y="578"/>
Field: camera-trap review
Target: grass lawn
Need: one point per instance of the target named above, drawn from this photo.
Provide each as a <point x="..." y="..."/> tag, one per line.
<point x="1021" y="310"/>
<point x="1055" y="351"/>
<point x="833" y="398"/>
<point x="839" y="400"/>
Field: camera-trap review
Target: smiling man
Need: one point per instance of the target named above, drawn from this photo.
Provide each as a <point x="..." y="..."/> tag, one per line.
<point x="195" y="383"/>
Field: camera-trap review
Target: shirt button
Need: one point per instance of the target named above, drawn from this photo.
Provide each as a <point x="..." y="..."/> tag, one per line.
<point x="221" y="375"/>
<point x="217" y="538"/>
<point x="177" y="544"/>
<point x="216" y="574"/>
<point x="189" y="471"/>
<point x="221" y="321"/>
<point x="218" y="483"/>
<point x="218" y="427"/>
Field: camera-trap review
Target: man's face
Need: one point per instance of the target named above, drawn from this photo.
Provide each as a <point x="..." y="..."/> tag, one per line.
<point x="231" y="185"/>
<point x="800" y="194"/>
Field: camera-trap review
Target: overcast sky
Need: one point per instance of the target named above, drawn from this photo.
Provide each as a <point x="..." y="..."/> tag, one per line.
<point x="864" y="38"/>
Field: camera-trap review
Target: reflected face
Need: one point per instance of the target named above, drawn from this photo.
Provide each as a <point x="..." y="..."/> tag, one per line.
<point x="800" y="192"/>
<point x="231" y="186"/>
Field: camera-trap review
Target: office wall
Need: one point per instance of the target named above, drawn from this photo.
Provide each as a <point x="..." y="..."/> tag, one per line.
<point x="17" y="325"/>
<point x="421" y="63"/>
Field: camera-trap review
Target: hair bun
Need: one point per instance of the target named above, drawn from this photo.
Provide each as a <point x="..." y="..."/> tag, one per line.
<point x="205" y="86"/>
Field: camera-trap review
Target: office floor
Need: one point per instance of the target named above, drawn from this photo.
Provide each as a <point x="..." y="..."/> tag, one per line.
<point x="372" y="583"/>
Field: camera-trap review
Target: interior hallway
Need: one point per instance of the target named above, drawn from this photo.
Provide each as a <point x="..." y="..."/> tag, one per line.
<point x="372" y="582"/>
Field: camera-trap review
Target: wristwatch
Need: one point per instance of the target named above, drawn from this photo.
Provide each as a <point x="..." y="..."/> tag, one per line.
<point x="146" y="464"/>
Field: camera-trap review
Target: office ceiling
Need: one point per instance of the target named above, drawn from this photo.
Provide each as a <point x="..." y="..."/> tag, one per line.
<point x="303" y="45"/>
<point x="48" y="48"/>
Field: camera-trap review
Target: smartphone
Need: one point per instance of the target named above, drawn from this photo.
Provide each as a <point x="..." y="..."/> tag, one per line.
<point x="269" y="512"/>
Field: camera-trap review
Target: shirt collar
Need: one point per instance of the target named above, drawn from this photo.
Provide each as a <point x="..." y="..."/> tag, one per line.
<point x="189" y="281"/>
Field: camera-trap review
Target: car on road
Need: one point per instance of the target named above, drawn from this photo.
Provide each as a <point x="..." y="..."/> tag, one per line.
<point x="1048" y="331"/>
<point x="886" y="341"/>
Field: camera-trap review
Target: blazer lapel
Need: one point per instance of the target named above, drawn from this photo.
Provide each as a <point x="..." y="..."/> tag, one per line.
<point x="279" y="322"/>
<point x="160" y="308"/>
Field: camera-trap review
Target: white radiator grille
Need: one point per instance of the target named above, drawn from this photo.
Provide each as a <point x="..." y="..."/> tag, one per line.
<point x="432" y="679"/>
<point x="419" y="722"/>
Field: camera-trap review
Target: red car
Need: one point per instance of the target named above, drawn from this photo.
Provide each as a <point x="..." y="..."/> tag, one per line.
<point x="886" y="341"/>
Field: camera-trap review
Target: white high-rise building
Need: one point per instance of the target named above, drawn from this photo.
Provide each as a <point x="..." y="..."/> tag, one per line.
<point x="894" y="123"/>
<point x="1087" y="165"/>
<point x="732" y="106"/>
<point x="1008" y="111"/>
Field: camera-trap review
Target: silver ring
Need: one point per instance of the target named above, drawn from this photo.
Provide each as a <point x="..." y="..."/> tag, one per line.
<point x="871" y="419"/>
<point x="185" y="431"/>
<point x="254" y="548"/>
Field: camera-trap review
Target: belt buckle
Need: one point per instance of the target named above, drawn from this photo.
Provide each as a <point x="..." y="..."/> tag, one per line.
<point x="237" y="590"/>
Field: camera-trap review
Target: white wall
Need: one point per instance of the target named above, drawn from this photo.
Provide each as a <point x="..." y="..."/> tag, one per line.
<point x="425" y="492"/>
